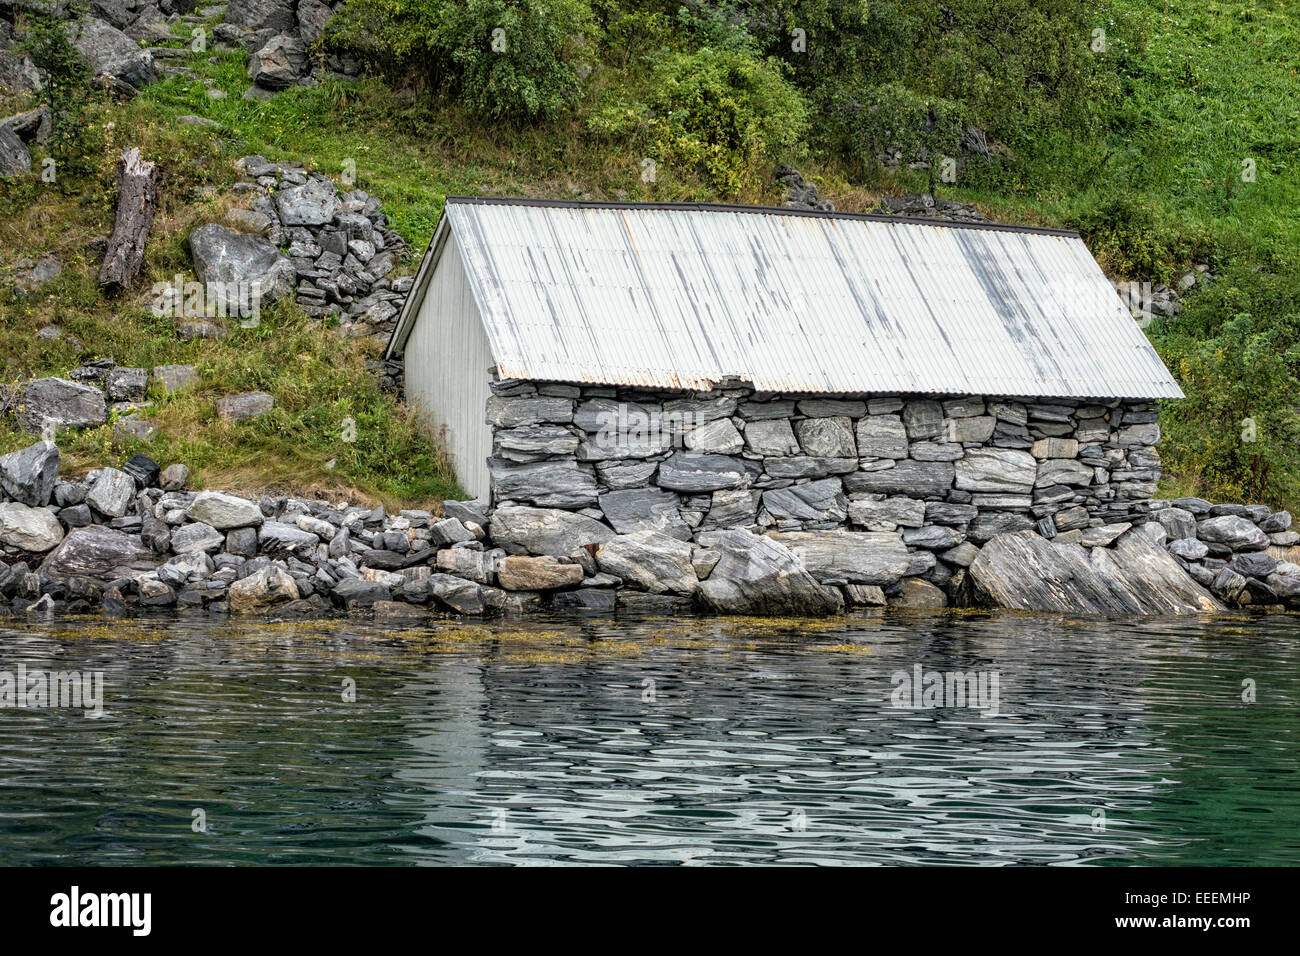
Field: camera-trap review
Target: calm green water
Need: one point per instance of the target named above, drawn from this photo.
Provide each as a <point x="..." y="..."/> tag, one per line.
<point x="595" y="741"/>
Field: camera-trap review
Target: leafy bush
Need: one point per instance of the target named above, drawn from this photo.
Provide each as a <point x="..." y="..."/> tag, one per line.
<point x="513" y="59"/>
<point x="892" y="121"/>
<point x="66" y="92"/>
<point x="1133" y="236"/>
<point x="720" y="114"/>
<point x="1237" y="430"/>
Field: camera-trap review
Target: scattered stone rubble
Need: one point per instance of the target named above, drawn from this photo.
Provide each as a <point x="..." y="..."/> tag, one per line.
<point x="340" y="251"/>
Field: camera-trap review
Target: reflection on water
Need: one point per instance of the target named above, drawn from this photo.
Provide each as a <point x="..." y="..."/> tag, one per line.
<point x="596" y="741"/>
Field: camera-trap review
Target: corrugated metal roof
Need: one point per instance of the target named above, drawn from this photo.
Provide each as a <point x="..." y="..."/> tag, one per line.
<point x="688" y="295"/>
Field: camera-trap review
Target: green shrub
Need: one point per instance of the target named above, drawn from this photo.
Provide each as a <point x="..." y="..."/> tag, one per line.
<point x="870" y="122"/>
<point x="513" y="59"/>
<point x="719" y="114"/>
<point x="67" y="93"/>
<point x="1237" y="430"/>
<point x="1133" y="235"/>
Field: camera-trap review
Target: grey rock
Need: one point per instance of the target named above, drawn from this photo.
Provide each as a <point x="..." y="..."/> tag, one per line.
<point x="1254" y="564"/>
<point x="262" y="589"/>
<point x="881" y="436"/>
<point x="772" y="437"/>
<point x="718" y="437"/>
<point x="1189" y="549"/>
<point x="174" y="477"/>
<point x="279" y="64"/>
<point x="60" y="402"/>
<point x="557" y="484"/>
<point x="312" y="17"/>
<point x="107" y="51"/>
<point x="524" y="530"/>
<point x="1275" y="523"/>
<point x="112" y="493"/>
<point x="820" y="501"/>
<point x="240" y="269"/>
<point x="534" y="442"/>
<point x="935" y="537"/>
<point x="757" y="575"/>
<point x="688" y="472"/>
<point x="235" y="408"/>
<point x="1177" y="522"/>
<point x="923" y="419"/>
<point x="29" y="474"/>
<point x="729" y="508"/>
<point x="96" y="552"/>
<point x="646" y="509"/>
<point x="827" y="437"/>
<point x="1026" y="572"/>
<point x="1062" y="471"/>
<point x="358" y="592"/>
<point x="277" y="538"/>
<point x="651" y="561"/>
<point x="916" y="479"/>
<point x="197" y="536"/>
<point x="478" y="566"/>
<point x="31" y="529"/>
<point x="859" y="557"/>
<point x="1234" y="531"/>
<point x="516" y="411"/>
<point x="887" y="514"/>
<point x="223" y="511"/>
<point x="997" y="469"/>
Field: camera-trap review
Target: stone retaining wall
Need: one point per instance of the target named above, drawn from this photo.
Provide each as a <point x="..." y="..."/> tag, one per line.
<point x="933" y="468"/>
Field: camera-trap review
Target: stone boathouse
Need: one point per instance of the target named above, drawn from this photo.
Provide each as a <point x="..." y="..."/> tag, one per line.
<point x="881" y="396"/>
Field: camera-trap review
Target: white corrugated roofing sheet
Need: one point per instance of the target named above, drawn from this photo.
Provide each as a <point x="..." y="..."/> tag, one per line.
<point x="685" y="296"/>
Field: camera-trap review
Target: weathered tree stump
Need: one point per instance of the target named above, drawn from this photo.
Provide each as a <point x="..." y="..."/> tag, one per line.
<point x="137" y="184"/>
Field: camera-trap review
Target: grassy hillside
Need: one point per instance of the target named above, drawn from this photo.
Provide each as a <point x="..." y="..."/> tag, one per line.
<point x="1139" y="145"/>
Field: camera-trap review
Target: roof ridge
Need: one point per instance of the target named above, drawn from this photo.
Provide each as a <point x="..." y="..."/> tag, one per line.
<point x="762" y="210"/>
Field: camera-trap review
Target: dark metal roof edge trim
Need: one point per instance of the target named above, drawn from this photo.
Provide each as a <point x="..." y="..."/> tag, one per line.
<point x="765" y="210"/>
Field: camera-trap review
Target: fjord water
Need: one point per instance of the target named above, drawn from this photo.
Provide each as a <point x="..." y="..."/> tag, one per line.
<point x="573" y="740"/>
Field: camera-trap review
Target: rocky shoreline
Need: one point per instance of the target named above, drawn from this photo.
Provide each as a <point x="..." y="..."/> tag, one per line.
<point x="135" y="539"/>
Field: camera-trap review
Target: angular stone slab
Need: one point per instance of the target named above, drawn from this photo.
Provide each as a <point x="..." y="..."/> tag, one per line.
<point x="1025" y="572"/>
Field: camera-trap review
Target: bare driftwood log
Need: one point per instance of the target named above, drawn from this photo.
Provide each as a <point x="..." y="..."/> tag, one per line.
<point x="137" y="184"/>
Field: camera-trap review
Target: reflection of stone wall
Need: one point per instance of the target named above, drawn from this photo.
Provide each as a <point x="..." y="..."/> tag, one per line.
<point x="940" y="469"/>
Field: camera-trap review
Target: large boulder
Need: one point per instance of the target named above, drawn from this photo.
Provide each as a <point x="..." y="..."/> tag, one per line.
<point x="519" y="572"/>
<point x="557" y="484"/>
<point x="1234" y="531"/>
<point x="15" y="160"/>
<point x="311" y="204"/>
<point x="312" y="17"/>
<point x="97" y="551"/>
<point x="523" y="530"/>
<point x="107" y="51"/>
<point x="645" y="509"/>
<point x="997" y="470"/>
<point x="857" y="557"/>
<point x="275" y="15"/>
<point x="112" y="493"/>
<point x="61" y="403"/>
<point x="279" y="64"/>
<point x="27" y="528"/>
<point x="232" y="262"/>
<point x="1026" y="572"/>
<point x="223" y="511"/>
<point x="28" y="475"/>
<point x="268" y="587"/>
<point x="650" y="561"/>
<point x="758" y="575"/>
